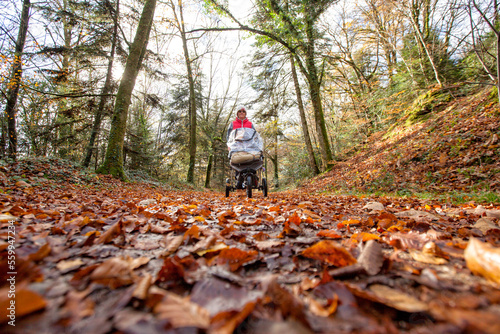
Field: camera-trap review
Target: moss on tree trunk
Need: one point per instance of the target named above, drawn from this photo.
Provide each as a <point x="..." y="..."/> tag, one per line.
<point x="113" y="161"/>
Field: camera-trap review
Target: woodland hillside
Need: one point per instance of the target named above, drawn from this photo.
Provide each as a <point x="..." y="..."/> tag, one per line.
<point x="446" y="146"/>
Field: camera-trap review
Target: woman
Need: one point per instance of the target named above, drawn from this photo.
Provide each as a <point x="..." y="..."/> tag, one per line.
<point x="241" y="121"/>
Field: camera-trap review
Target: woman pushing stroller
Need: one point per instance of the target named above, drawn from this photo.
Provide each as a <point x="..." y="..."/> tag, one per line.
<point x="245" y="152"/>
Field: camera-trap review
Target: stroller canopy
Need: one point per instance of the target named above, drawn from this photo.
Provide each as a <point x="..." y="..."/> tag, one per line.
<point x="245" y="140"/>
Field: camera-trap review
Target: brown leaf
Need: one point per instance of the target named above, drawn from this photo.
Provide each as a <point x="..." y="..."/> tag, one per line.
<point x="226" y="322"/>
<point x="41" y="253"/>
<point x="432" y="249"/>
<point x="322" y="309"/>
<point x="180" y="312"/>
<point x="192" y="233"/>
<point x="364" y="237"/>
<point x="330" y="252"/>
<point x="285" y="301"/>
<point x="398" y="299"/>
<point x="111" y="233"/>
<point x="220" y="296"/>
<point x="142" y="287"/>
<point x="77" y="306"/>
<point x="371" y="257"/>
<point x="117" y="272"/>
<point x="483" y="259"/>
<point x="173" y="243"/>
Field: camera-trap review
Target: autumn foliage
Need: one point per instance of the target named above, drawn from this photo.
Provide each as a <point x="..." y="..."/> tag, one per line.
<point x="95" y="255"/>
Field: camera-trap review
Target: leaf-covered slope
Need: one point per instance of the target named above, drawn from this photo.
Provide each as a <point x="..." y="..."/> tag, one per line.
<point x="442" y="145"/>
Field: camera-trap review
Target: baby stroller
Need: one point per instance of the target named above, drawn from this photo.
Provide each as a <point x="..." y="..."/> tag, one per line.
<point x="246" y="162"/>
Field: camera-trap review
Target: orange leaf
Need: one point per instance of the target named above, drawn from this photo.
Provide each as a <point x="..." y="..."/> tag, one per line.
<point x="364" y="236"/>
<point x="351" y="222"/>
<point x="295" y="219"/>
<point x="235" y="257"/>
<point x="192" y="233"/>
<point x="329" y="234"/>
<point x="25" y="302"/>
<point x="330" y="252"/>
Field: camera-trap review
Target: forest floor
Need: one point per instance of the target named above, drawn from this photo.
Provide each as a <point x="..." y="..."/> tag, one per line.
<point x="97" y="255"/>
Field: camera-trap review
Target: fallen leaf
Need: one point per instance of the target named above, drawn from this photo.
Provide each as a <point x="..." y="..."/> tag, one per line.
<point x="330" y="252"/>
<point x="371" y="257"/>
<point x="216" y="296"/>
<point x="25" y="302"/>
<point x="77" y="305"/>
<point x="6" y="217"/>
<point x="329" y="234"/>
<point x="398" y="299"/>
<point x="235" y="257"/>
<point x="112" y="232"/>
<point x="483" y="259"/>
<point x="66" y="266"/>
<point x="432" y="249"/>
<point x="215" y="248"/>
<point x="22" y="184"/>
<point x="41" y="253"/>
<point x="426" y="258"/>
<point x="180" y="312"/>
<point x="142" y="287"/>
<point x="117" y="272"/>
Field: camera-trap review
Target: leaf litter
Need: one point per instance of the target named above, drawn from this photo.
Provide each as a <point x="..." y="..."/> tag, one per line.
<point x="94" y="255"/>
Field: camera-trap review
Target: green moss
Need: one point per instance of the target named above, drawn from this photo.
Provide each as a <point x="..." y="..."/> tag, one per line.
<point x="426" y="103"/>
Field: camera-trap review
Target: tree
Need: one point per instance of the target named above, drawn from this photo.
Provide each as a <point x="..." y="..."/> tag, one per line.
<point x="105" y="90"/>
<point x="299" y="19"/>
<point x="113" y="162"/>
<point x="15" y="80"/>
<point x="179" y="21"/>
<point x="479" y="48"/>
<point x="214" y="115"/>
<point x="293" y="24"/>
<point x="303" y="121"/>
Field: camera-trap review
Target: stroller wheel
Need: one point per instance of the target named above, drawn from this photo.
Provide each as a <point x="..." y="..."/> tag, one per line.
<point x="249" y="186"/>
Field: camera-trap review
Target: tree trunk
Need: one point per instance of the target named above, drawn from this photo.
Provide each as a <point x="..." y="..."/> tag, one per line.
<point x="113" y="161"/>
<point x="497" y="32"/>
<point x="3" y="137"/>
<point x="209" y="165"/>
<point x="15" y="80"/>
<point x="303" y="121"/>
<point x="315" y="92"/>
<point x="107" y="87"/>
<point x="192" y="99"/>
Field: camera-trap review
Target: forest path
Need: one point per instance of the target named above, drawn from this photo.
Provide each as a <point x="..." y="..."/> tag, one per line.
<point x="95" y="255"/>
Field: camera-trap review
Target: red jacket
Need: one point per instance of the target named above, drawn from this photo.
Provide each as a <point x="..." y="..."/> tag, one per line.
<point x="238" y="123"/>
